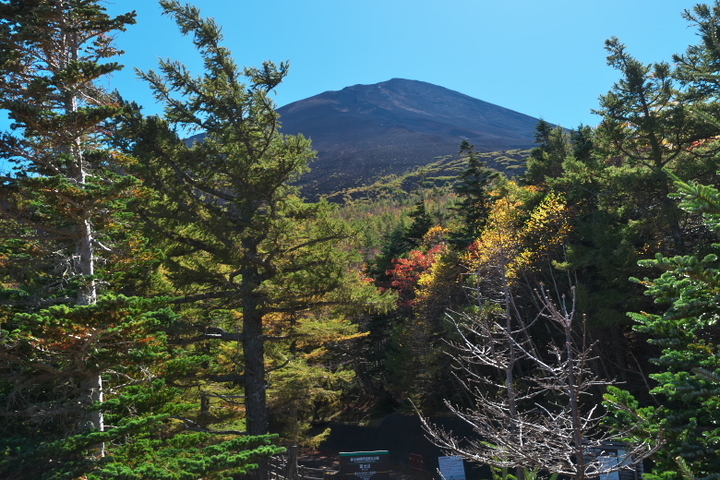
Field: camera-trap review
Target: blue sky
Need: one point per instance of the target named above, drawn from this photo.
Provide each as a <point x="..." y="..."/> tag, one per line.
<point x="542" y="58"/>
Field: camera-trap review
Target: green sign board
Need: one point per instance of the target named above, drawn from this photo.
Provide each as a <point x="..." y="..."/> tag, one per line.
<point x="373" y="465"/>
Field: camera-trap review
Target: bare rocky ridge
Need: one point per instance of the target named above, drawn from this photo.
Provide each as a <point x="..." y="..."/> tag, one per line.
<point x="364" y="132"/>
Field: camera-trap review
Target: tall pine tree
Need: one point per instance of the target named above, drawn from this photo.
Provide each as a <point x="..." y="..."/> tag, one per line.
<point x="81" y="392"/>
<point x="58" y="204"/>
<point x="244" y="247"/>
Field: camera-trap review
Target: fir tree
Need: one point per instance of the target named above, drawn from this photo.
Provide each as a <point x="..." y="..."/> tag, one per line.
<point x="245" y="250"/>
<point x="83" y="387"/>
<point x="651" y="123"/>
<point x="421" y="223"/>
<point x="546" y="160"/>
<point x="473" y="188"/>
<point x="687" y="385"/>
<point x="59" y="204"/>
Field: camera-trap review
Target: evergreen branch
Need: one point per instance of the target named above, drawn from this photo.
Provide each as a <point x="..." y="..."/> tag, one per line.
<point x="10" y="213"/>
<point x="196" y="427"/>
<point x="302" y="307"/>
<point x="219" y="333"/>
<point x="315" y="241"/>
<point x="211" y="333"/>
<point x="284" y="364"/>
<point x="204" y="296"/>
<point x="265" y="263"/>
<point x="39" y="303"/>
<point x="191" y="242"/>
<point x="236" y="378"/>
<point x="39" y="366"/>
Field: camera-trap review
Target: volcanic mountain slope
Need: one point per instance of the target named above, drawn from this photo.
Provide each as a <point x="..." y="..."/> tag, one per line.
<point x="365" y="132"/>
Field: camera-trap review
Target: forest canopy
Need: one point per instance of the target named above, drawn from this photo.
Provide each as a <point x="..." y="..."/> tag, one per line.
<point x="173" y="309"/>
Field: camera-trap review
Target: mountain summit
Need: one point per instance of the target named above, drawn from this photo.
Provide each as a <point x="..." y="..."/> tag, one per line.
<point x="364" y="132"/>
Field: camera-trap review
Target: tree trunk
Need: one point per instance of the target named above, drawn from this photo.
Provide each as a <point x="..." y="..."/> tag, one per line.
<point x="292" y="466"/>
<point x="619" y="351"/>
<point x="254" y="358"/>
<point x="92" y="393"/>
<point x="509" y="369"/>
<point x="256" y="410"/>
<point x="573" y="394"/>
<point x="87" y="295"/>
<point x="92" y="388"/>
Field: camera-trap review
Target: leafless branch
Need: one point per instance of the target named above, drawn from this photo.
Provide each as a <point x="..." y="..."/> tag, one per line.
<point x="557" y="431"/>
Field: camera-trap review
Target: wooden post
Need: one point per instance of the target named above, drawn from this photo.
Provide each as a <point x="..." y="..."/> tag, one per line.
<point x="292" y="466"/>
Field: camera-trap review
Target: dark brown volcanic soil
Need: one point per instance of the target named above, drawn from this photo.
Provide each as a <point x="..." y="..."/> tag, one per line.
<point x="364" y="132"/>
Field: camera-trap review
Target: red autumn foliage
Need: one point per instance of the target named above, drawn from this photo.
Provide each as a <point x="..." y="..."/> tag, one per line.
<point x="406" y="272"/>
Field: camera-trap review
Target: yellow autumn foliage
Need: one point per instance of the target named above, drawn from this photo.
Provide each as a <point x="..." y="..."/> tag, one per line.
<point x="514" y="239"/>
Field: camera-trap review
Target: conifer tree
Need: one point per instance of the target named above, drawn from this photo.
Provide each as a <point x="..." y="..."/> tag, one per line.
<point x="473" y="188"/>
<point x="400" y="241"/>
<point x="546" y="160"/>
<point x="83" y="388"/>
<point x="395" y="246"/>
<point x="242" y="242"/>
<point x="58" y="206"/>
<point x="51" y="62"/>
<point x="421" y="223"/>
<point x="687" y="385"/>
<point x="651" y="123"/>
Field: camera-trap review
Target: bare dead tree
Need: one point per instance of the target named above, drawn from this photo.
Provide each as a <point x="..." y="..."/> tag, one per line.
<point x="543" y="421"/>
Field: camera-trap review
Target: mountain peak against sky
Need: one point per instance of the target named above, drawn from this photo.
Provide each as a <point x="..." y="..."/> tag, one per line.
<point x="363" y="132"/>
<point x="410" y="96"/>
<point x="413" y="98"/>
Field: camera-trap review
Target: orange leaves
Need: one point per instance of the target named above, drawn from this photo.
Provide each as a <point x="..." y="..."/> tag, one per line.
<point x="80" y="340"/>
<point x="406" y="272"/>
<point x="66" y="338"/>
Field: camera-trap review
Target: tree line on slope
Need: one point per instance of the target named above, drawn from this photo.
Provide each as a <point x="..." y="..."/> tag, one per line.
<point x="165" y="305"/>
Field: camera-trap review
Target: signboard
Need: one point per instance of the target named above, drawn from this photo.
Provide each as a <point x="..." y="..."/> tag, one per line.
<point x="452" y="468"/>
<point x="374" y="465"/>
<point x="609" y="461"/>
<point x="416" y="462"/>
<point x="612" y="455"/>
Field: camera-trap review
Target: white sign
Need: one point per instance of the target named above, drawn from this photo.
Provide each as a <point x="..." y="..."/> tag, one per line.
<point x="609" y="460"/>
<point x="452" y="468"/>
